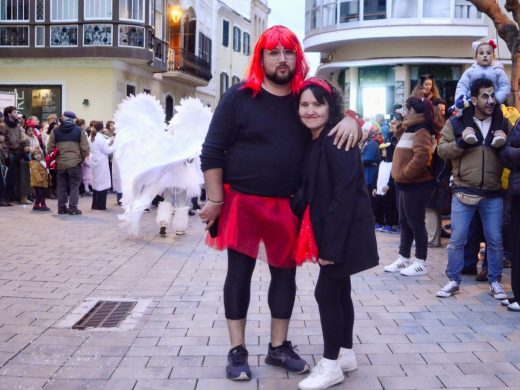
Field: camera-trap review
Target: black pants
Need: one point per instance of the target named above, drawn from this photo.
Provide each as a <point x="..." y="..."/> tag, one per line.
<point x="514" y="226"/>
<point x="237" y="288"/>
<point x="385" y="208"/>
<point x="41" y="194"/>
<point x="99" y="200"/>
<point x="336" y="310"/>
<point x="412" y="212"/>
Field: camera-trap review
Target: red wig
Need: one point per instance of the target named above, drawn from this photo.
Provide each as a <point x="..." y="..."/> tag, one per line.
<point x="272" y="37"/>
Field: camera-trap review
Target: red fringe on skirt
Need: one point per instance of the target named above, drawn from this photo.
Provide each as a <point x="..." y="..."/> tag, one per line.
<point x="306" y="247"/>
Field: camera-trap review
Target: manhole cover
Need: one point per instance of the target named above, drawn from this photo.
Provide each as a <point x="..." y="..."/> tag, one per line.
<point x="105" y="314"/>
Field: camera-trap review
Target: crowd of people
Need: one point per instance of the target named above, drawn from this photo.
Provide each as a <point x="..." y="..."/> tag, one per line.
<point x="291" y="177"/>
<point x="59" y="158"/>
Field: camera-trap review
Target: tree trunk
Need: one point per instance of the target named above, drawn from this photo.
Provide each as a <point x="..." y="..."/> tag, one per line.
<point x="509" y="32"/>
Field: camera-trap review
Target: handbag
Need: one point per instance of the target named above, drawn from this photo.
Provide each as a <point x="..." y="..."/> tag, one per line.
<point x="514" y="183"/>
<point x="468" y="199"/>
<point x="298" y="203"/>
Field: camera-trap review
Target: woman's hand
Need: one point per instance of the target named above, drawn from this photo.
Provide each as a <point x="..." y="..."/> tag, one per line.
<point x="347" y="133"/>
<point x="325" y="262"/>
<point x="210" y="213"/>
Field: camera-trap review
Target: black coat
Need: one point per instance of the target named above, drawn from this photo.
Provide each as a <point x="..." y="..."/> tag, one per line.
<point x="340" y="209"/>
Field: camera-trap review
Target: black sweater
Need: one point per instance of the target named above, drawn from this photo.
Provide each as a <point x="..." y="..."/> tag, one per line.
<point x="258" y="141"/>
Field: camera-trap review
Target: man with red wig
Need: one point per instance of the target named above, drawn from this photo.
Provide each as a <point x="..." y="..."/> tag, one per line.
<point x="252" y="160"/>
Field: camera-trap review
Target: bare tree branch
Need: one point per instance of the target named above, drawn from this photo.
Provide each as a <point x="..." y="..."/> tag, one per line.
<point x="513" y="6"/>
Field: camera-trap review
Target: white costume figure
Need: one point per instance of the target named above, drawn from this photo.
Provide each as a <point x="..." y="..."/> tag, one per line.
<point x="153" y="159"/>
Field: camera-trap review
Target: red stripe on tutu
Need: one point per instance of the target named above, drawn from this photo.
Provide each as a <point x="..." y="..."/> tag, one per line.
<point x="246" y="221"/>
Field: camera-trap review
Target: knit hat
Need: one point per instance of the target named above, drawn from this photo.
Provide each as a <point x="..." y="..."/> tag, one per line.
<point x="69" y="115"/>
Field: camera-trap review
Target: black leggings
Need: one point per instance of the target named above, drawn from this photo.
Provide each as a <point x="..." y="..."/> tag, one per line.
<point x="237" y="288"/>
<point x="336" y="311"/>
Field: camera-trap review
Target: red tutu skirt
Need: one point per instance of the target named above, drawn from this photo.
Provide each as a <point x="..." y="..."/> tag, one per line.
<point x="261" y="227"/>
<point x="306" y="247"/>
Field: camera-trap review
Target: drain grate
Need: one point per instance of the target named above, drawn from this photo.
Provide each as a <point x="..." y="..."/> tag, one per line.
<point x="105" y="314"/>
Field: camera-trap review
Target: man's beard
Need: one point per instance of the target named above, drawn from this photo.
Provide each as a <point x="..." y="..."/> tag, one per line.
<point x="280" y="80"/>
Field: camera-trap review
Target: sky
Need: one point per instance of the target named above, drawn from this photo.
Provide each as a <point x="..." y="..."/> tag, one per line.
<point x="290" y="13"/>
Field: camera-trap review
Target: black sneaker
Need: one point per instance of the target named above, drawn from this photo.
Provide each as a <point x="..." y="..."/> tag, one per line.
<point x="237" y="368"/>
<point x="63" y="211"/>
<point x="74" y="212"/>
<point x="285" y="356"/>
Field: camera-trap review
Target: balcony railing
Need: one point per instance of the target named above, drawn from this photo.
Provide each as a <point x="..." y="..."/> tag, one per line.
<point x="184" y="61"/>
<point x="341" y="14"/>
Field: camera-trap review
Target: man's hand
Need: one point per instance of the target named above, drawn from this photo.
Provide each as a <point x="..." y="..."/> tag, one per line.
<point x="385" y="189"/>
<point x="210" y="213"/>
<point x="325" y="262"/>
<point x="347" y="133"/>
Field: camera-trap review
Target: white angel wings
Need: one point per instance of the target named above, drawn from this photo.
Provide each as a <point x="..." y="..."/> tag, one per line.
<point x="152" y="157"/>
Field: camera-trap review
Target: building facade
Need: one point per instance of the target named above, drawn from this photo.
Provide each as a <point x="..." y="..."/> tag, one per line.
<point x="375" y="50"/>
<point x="88" y="55"/>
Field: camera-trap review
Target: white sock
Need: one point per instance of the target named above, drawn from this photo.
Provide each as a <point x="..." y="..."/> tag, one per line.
<point x="328" y="363"/>
<point x="347" y="353"/>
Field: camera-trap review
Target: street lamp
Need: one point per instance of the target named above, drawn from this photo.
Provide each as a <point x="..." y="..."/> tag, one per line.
<point x="176" y="14"/>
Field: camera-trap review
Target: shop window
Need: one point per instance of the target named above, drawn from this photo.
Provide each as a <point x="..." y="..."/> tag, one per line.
<point x="130" y="90"/>
<point x="14" y="10"/>
<point x="38" y="100"/>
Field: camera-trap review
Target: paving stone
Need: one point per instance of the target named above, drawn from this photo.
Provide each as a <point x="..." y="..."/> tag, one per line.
<point x="414" y="382"/>
<point x="471" y="381"/>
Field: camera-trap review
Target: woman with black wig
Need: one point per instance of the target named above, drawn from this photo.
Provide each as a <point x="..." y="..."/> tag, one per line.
<point x="337" y="229"/>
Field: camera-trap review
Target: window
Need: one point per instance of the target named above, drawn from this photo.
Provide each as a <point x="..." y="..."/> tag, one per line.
<point x="64" y="10"/>
<point x="39" y="36"/>
<point x="374" y="9"/>
<point x="130" y="90"/>
<point x="14" y="10"/>
<point x="436" y="8"/>
<point x="204" y="48"/>
<point x="40" y="10"/>
<point x="97" y="35"/>
<point x="98" y="9"/>
<point x="349" y="11"/>
<point x="131" y="36"/>
<point x="463" y="10"/>
<point x="235" y="80"/>
<point x="14" y="36"/>
<point x="224" y="80"/>
<point x="247" y="44"/>
<point x="236" y="38"/>
<point x="225" y="33"/>
<point x="64" y="35"/>
<point x="131" y="10"/>
<point x="405" y="9"/>
<point x="329" y="13"/>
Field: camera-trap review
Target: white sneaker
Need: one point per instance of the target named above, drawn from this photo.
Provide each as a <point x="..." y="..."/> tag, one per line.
<point x="448" y="290"/>
<point x="398" y="265"/>
<point x="417" y="268"/>
<point x="497" y="290"/>
<point x="327" y="373"/>
<point x="347" y="359"/>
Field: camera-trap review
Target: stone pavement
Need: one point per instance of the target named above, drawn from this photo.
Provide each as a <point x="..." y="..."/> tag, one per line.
<point x="405" y="337"/>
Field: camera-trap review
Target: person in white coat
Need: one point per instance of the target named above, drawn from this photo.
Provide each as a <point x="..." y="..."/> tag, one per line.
<point x="100" y="148"/>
